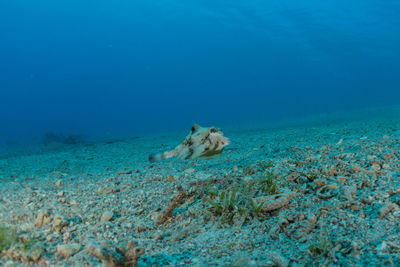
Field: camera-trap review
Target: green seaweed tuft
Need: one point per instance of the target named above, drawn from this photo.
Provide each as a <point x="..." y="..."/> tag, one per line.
<point x="8" y="237"/>
<point x="236" y="199"/>
<point x="321" y="246"/>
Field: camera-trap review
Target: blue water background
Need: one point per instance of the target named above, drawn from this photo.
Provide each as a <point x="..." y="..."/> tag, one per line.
<point x="120" y="68"/>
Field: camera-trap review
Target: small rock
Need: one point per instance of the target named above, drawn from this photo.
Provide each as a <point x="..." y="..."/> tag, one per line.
<point x="243" y="261"/>
<point x="190" y="170"/>
<point x="332" y="172"/>
<point x="386" y="209"/>
<point x="107" y="216"/>
<point x="68" y="250"/>
<point x="158" y="237"/>
<point x="396" y="213"/>
<point x="115" y="256"/>
<point x="376" y="167"/>
<point x="388" y="156"/>
<point x="326" y="192"/>
<point x="333" y="186"/>
<point x="275" y="202"/>
<point x="342" y="179"/>
<point x="51" y="238"/>
<point x="42" y="218"/>
<point x="59" y="183"/>
<point x="171" y="178"/>
<point x="278" y="259"/>
<point x="66" y="236"/>
<point x="59" y="222"/>
<point x="319" y="183"/>
<point x="385" y="166"/>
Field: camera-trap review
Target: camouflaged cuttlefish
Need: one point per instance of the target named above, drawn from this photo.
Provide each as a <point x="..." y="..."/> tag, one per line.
<point x="201" y="143"/>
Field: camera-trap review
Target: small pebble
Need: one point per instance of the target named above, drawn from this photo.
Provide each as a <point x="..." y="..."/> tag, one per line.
<point x="385" y="166"/>
<point x="68" y="250"/>
<point x="376" y="167"/>
<point x="59" y="183"/>
<point x="107" y="216"/>
<point x="190" y="170"/>
<point x="171" y="178"/>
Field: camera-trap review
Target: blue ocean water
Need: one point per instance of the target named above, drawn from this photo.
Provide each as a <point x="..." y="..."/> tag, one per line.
<point x="117" y="68"/>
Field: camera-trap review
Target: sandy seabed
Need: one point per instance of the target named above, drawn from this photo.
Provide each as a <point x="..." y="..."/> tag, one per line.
<point x="324" y="193"/>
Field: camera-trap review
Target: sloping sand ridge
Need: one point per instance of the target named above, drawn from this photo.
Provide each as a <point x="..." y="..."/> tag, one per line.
<point x="322" y="193"/>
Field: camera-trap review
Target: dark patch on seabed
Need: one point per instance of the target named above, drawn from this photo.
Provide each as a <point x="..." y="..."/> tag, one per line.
<point x="311" y="194"/>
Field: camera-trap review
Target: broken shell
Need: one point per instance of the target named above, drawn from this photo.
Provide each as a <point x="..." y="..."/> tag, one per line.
<point x="387" y="208"/>
<point x="326" y="192"/>
<point x="275" y="202"/>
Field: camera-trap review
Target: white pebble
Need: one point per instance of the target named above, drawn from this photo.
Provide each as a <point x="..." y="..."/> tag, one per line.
<point x="107" y="216"/>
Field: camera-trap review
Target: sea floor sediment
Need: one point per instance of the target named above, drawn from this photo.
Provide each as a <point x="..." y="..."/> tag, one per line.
<point x="324" y="194"/>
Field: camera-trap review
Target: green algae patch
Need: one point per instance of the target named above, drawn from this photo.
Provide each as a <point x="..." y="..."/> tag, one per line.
<point x="18" y="247"/>
<point x="239" y="199"/>
<point x="8" y="237"/>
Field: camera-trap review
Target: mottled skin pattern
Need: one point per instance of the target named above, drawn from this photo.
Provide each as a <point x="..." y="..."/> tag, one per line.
<point x="201" y="143"/>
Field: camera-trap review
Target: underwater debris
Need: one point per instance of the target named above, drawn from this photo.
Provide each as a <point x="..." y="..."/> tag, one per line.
<point x="312" y="220"/>
<point x="51" y="137"/>
<point x="275" y="202"/>
<point x="175" y="202"/>
<point x="326" y="192"/>
<point x="43" y="218"/>
<point x="278" y="259"/>
<point x="74" y="139"/>
<point x="387" y="208"/>
<point x="68" y="250"/>
<point x="201" y="143"/>
<point x="59" y="223"/>
<point x="112" y="256"/>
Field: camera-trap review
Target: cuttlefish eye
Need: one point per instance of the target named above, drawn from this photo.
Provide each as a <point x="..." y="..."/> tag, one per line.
<point x="213" y="130"/>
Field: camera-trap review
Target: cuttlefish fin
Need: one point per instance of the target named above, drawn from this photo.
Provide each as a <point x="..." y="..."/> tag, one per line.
<point x="195" y="128"/>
